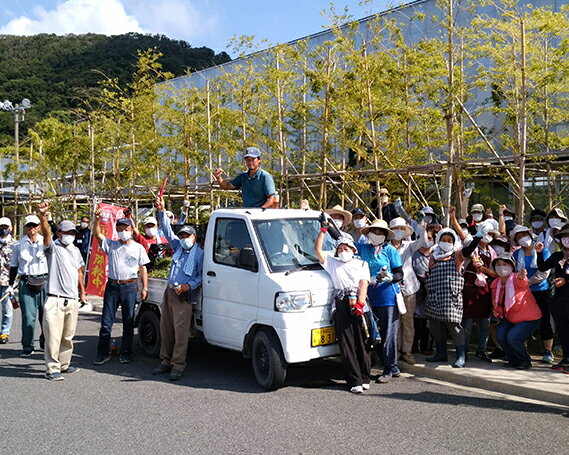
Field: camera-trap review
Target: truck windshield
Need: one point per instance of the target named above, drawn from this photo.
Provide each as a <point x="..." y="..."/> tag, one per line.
<point x="288" y="243"/>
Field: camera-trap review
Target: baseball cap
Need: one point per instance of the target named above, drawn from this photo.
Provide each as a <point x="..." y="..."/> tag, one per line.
<point x="187" y="229"/>
<point x="4" y="221"/>
<point x="66" y="226"/>
<point x="31" y="219"/>
<point x="357" y="212"/>
<point x="252" y="152"/>
<point x="150" y="220"/>
<point x="125" y="221"/>
<point x="477" y="208"/>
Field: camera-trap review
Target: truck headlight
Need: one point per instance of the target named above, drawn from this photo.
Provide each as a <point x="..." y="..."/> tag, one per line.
<point x="288" y="302"/>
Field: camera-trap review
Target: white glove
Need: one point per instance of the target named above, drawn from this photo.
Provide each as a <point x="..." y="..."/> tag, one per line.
<point x="398" y="204"/>
<point x="483" y="229"/>
<point x="10" y="290"/>
<point x="468" y="190"/>
<point x="186" y="203"/>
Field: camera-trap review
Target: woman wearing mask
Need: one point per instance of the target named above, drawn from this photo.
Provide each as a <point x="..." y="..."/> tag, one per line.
<point x="409" y="287"/>
<point x="526" y="258"/>
<point x="350" y="277"/>
<point x="359" y="221"/>
<point x="475" y="218"/>
<point x="554" y="220"/>
<point x="513" y="302"/>
<point x="537" y="221"/>
<point x="444" y="304"/>
<point x="386" y="271"/>
<point x="559" y="304"/>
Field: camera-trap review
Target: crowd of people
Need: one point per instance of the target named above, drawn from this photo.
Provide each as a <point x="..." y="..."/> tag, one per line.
<point x="427" y="282"/>
<point x="403" y="285"/>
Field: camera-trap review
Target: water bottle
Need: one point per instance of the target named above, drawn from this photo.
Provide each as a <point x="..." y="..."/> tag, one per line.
<point x="352" y="299"/>
<point x="114" y="347"/>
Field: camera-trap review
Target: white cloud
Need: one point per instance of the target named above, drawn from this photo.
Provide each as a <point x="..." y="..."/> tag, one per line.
<point x="76" y="16"/>
<point x="180" y="19"/>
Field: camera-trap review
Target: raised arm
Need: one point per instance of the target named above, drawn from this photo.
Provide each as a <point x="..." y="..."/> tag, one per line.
<point x="318" y="245"/>
<point x="165" y="224"/>
<point x="97" y="227"/>
<point x="223" y="184"/>
<point x="43" y="208"/>
<point x="454" y="222"/>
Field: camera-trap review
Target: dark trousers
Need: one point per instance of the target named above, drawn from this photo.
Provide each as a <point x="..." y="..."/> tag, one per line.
<point x="354" y="348"/>
<point x="542" y="299"/>
<point x="31" y="304"/>
<point x="439" y="331"/>
<point x="511" y="338"/>
<point x="422" y="335"/>
<point x="115" y="295"/>
<point x="560" y="312"/>
<point x="388" y="321"/>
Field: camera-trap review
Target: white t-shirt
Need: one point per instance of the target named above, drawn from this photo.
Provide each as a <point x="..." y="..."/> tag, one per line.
<point x="346" y="275"/>
<point x="124" y="258"/>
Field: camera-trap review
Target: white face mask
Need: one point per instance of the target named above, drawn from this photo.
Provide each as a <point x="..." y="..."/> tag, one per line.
<point x="428" y="219"/>
<point x="537" y="224"/>
<point x="151" y="232"/>
<point x="360" y="222"/>
<point x="508" y="218"/>
<point x="555" y="223"/>
<point x="504" y="270"/>
<point x="346" y="256"/>
<point x="384" y="199"/>
<point x="125" y="235"/>
<point x="499" y="250"/>
<point x="429" y="244"/>
<point x="399" y="235"/>
<point x="525" y="241"/>
<point x="446" y="246"/>
<point x="487" y="239"/>
<point x="477" y="217"/>
<point x="187" y="243"/>
<point x="84" y="225"/>
<point x="565" y="242"/>
<point x="67" y="239"/>
<point x="376" y="239"/>
<point x="338" y="223"/>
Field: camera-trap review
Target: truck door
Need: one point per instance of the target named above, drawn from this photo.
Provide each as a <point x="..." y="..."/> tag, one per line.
<point x="231" y="278"/>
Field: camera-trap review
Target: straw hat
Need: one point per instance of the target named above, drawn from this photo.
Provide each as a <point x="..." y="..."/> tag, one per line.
<point x="379" y="224"/>
<point x="338" y="210"/>
<point x="400" y="222"/>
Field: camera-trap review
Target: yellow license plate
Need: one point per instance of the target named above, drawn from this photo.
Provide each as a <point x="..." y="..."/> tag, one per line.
<point x="325" y="335"/>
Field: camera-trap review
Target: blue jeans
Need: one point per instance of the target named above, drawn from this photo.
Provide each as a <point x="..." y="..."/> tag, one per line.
<point x="483" y="332"/>
<point x="388" y="321"/>
<point x="511" y="338"/>
<point x="115" y="295"/>
<point x="7" y="312"/>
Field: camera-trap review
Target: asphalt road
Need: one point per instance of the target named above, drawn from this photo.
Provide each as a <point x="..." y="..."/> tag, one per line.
<point x="218" y="408"/>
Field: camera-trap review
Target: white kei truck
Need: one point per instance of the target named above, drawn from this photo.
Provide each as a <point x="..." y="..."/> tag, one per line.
<point x="264" y="292"/>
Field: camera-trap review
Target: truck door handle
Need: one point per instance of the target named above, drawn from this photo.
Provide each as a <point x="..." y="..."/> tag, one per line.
<point x="210" y="273"/>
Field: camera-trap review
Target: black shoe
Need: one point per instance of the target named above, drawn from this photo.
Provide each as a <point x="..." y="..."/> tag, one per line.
<point x="511" y="365"/>
<point x="101" y="359"/>
<point x="70" y="370"/>
<point x="176" y="375"/>
<point x="498" y="354"/>
<point x="161" y="369"/>
<point x="481" y="355"/>
<point x="564" y="364"/>
<point x="125" y="357"/>
<point x="27" y="353"/>
<point x="523" y="366"/>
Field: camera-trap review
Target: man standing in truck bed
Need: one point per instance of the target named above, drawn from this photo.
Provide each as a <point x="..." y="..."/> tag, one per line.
<point x="184" y="279"/>
<point x="257" y="186"/>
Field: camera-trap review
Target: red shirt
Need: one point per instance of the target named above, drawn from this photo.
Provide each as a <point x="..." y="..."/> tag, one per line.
<point x="146" y="242"/>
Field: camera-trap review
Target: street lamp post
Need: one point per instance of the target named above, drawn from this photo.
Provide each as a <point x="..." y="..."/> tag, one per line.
<point x="19" y="111"/>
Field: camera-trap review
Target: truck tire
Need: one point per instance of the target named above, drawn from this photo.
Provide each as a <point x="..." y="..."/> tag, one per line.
<point x="149" y="333"/>
<point x="269" y="364"/>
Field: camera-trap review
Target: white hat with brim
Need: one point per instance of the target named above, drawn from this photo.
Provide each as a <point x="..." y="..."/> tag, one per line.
<point x="379" y="224"/>
<point x="4" y="221"/>
<point x="519" y="228"/>
<point x="31" y="219"/>
<point x="427" y="210"/>
<point x="338" y="210"/>
<point x="346" y="239"/>
<point x="150" y="220"/>
<point x="400" y="222"/>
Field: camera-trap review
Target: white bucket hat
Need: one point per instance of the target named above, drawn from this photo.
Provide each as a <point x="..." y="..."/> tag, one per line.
<point x="400" y="222"/>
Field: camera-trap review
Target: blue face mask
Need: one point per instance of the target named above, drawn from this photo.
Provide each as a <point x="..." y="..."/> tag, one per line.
<point x="187" y="243"/>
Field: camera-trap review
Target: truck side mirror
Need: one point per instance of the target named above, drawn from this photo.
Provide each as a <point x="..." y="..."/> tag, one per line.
<point x="248" y="260"/>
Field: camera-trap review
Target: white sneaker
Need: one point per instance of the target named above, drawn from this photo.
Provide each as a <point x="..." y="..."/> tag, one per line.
<point x="357" y="389"/>
<point x="85" y="307"/>
<point x="365" y="386"/>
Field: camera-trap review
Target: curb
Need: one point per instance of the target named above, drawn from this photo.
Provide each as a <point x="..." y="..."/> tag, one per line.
<point x="504" y="381"/>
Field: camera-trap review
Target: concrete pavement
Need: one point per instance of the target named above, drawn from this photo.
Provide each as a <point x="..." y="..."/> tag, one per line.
<point x="539" y="383"/>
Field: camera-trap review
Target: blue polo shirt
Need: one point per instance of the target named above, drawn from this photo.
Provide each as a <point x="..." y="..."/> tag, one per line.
<point x="382" y="294"/>
<point x="254" y="190"/>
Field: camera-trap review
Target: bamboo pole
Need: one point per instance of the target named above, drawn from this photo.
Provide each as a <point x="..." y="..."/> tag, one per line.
<point x="523" y="125"/>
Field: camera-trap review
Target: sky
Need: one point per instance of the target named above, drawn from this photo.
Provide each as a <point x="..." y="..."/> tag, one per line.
<point x="210" y="23"/>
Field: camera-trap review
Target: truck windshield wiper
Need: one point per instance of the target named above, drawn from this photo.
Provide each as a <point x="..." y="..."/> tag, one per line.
<point x="313" y="266"/>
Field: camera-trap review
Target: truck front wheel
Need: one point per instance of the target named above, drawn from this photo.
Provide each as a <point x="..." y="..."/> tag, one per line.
<point x="149" y="333"/>
<point x="269" y="364"/>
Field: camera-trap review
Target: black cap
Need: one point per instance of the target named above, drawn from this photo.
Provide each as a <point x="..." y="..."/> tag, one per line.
<point x="358" y="211"/>
<point x="125" y="221"/>
<point x="537" y="212"/>
<point x="190" y="230"/>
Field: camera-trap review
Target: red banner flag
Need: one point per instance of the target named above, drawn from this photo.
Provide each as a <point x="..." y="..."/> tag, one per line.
<point x="98" y="271"/>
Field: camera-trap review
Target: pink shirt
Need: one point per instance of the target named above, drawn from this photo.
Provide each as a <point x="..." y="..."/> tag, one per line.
<point x="523" y="308"/>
